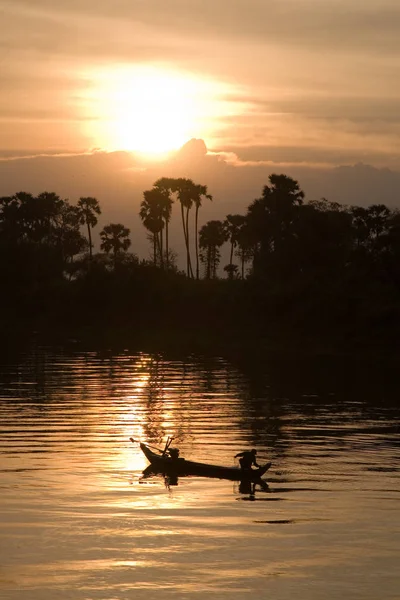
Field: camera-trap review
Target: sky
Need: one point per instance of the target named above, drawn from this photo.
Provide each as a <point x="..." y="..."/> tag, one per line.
<point x="94" y="93"/>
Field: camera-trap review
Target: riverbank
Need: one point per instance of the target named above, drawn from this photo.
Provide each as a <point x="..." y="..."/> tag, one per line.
<point x="227" y="318"/>
<point x="277" y="341"/>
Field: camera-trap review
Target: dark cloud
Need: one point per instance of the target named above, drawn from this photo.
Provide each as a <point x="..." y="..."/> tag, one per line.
<point x="309" y="155"/>
<point x="361" y="184"/>
<point x="356" y="108"/>
<point x="118" y="180"/>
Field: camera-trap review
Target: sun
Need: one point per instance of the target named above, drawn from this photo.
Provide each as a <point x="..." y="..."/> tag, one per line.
<point x="148" y="110"/>
<point x="151" y="109"/>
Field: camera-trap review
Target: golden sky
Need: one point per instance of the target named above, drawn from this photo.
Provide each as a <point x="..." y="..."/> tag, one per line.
<point x="307" y="82"/>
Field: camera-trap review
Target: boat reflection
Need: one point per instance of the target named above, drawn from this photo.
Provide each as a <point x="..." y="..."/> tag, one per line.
<point x="246" y="487"/>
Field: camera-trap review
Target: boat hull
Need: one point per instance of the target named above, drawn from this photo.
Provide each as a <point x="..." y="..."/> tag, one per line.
<point x="181" y="466"/>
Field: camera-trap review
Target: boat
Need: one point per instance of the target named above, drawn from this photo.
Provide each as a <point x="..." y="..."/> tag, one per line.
<point x="163" y="463"/>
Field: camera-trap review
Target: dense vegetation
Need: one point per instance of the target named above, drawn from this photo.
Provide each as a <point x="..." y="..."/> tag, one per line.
<point x="299" y="273"/>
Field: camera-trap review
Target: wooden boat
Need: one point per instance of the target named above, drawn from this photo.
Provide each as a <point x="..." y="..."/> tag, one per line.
<point x="163" y="463"/>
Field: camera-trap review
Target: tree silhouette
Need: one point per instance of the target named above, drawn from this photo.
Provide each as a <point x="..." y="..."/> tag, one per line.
<point x="152" y="211"/>
<point x="322" y="241"/>
<point x="185" y="191"/>
<point x="233" y="224"/>
<point x="319" y="268"/>
<point x="166" y="203"/>
<point x="231" y="270"/>
<point x="67" y="231"/>
<point x="212" y="236"/>
<point x="42" y="234"/>
<point x="200" y="192"/>
<point x="271" y="220"/>
<point x="188" y="193"/>
<point x="369" y="224"/>
<point x="115" y="239"/>
<point x="88" y="209"/>
<point x="245" y="245"/>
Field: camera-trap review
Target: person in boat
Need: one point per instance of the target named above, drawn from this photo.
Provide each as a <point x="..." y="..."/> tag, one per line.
<point x="173" y="453"/>
<point x="247" y="459"/>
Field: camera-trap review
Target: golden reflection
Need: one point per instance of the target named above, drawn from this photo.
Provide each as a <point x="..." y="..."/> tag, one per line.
<point x="71" y="520"/>
<point x="114" y="398"/>
<point x="153" y="109"/>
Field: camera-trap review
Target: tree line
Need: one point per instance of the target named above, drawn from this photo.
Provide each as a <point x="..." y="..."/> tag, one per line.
<point x="41" y="237"/>
<point x="280" y="237"/>
<point x="313" y="269"/>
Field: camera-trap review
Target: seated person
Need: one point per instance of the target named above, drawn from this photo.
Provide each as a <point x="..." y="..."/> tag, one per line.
<point x="174" y="453"/>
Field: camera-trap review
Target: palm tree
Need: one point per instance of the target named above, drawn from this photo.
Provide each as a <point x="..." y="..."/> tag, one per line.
<point x="212" y="236"/>
<point x="245" y="246"/>
<point x="45" y="215"/>
<point x="115" y="238"/>
<point x="200" y="192"/>
<point x="188" y="193"/>
<point x="68" y="235"/>
<point x="151" y="212"/>
<point x="166" y="202"/>
<point x="184" y="189"/>
<point x="88" y="209"/>
<point x="233" y="225"/>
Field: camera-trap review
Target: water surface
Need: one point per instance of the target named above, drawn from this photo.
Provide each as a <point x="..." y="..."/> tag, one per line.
<point x="78" y="520"/>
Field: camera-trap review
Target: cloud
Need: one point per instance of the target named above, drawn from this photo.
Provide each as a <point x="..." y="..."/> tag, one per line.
<point x="320" y="78"/>
<point x="371" y="26"/>
<point x="361" y="184"/>
<point x="65" y="32"/>
<point x="311" y="156"/>
<point x="119" y="178"/>
<point x="356" y="108"/>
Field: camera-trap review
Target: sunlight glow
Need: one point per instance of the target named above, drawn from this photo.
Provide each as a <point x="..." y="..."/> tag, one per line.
<point x="153" y="110"/>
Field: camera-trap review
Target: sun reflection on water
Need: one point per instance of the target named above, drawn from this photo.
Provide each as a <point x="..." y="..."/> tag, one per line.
<point x="77" y="515"/>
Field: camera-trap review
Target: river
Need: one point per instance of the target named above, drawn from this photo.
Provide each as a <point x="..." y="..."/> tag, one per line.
<point x="78" y="520"/>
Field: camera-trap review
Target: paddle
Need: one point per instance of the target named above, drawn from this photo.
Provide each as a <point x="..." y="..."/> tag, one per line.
<point x="167" y="445"/>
